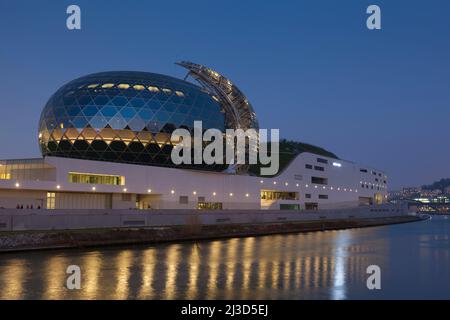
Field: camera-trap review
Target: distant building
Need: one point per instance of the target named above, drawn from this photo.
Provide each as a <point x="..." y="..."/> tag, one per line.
<point x="430" y="193"/>
<point x="410" y="192"/>
<point x="447" y="190"/>
<point x="395" y="195"/>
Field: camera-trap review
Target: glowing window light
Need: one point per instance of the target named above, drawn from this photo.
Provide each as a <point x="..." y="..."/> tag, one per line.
<point x="179" y="93"/>
<point x="123" y="86"/>
<point x="167" y="91"/>
<point x="337" y="164"/>
<point x="92" y="86"/>
<point x="108" y="85"/>
<point x="153" y="89"/>
<point x="138" y="87"/>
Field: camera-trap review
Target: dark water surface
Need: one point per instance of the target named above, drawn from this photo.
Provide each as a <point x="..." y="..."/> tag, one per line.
<point x="414" y="259"/>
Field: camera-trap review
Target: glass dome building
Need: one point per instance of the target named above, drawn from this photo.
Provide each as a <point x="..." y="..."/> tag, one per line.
<point x="128" y="116"/>
<point x="124" y="117"/>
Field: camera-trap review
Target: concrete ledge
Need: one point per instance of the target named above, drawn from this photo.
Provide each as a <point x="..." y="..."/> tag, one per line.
<point x="40" y="240"/>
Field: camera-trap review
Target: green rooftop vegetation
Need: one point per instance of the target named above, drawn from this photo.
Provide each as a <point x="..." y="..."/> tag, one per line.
<point x="289" y="150"/>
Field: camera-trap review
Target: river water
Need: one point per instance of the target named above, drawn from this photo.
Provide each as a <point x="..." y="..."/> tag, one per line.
<point x="414" y="261"/>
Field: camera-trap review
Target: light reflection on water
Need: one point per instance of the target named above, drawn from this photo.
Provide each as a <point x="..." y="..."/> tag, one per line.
<point x="414" y="259"/>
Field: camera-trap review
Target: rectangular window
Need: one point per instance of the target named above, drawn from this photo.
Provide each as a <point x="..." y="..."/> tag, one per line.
<point x="308" y="196"/>
<point x="201" y="199"/>
<point x="5" y="176"/>
<point x="321" y="160"/>
<point x="184" y="199"/>
<point x="285" y="206"/>
<point x="51" y="200"/>
<point x="319" y="168"/>
<point x="323" y="196"/>
<point x="209" y="206"/>
<point x="363" y="170"/>
<point x="318" y="180"/>
<point x="91" y="178"/>
<point x="298" y="177"/>
<point x="278" y="195"/>
<point x="311" y="206"/>
<point x="308" y="166"/>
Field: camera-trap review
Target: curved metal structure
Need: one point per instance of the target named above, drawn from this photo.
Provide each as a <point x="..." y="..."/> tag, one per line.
<point x="239" y="113"/>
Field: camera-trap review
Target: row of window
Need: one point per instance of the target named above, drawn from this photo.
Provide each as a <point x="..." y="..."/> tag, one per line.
<point x="278" y="195"/>
<point x="373" y="172"/>
<point x="321" y="196"/>
<point x="96" y="179"/>
<point x="318" y="168"/>
<point x="371" y="187"/>
<point x="139" y="87"/>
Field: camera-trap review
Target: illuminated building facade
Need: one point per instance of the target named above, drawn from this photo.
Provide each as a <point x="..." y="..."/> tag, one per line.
<point x="106" y="144"/>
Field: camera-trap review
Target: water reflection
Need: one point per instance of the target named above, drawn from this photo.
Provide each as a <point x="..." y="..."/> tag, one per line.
<point x="328" y="265"/>
<point x="148" y="269"/>
<point x="13" y="276"/>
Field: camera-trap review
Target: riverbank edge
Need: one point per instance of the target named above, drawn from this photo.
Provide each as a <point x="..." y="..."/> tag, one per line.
<point x="85" y="238"/>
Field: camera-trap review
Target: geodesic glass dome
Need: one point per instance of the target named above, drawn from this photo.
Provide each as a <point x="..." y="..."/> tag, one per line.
<point x="125" y="117"/>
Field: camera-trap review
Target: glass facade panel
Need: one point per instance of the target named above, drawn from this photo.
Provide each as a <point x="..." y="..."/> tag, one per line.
<point x="27" y="170"/>
<point x="278" y="195"/>
<point x="88" y="178"/>
<point x="116" y="108"/>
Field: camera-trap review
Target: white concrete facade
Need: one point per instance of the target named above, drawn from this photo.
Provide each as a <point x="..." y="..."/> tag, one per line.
<point x="342" y="184"/>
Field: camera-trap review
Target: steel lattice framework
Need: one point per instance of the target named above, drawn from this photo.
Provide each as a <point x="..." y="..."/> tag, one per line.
<point x="239" y="113"/>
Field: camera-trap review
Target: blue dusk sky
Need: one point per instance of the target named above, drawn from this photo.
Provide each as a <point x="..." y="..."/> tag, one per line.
<point x="311" y="68"/>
